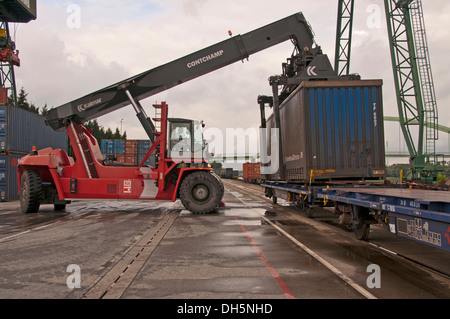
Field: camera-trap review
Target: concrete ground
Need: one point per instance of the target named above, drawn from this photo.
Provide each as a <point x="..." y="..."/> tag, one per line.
<point x="249" y="249"/>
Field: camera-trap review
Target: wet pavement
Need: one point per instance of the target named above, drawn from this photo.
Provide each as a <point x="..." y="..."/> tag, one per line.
<point x="239" y="251"/>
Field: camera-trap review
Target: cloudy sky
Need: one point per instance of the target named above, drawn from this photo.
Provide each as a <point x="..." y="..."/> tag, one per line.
<point x="77" y="47"/>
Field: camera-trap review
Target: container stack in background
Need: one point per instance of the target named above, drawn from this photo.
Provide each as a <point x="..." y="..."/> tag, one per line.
<point x="20" y="130"/>
<point x="128" y="152"/>
<point x="251" y="172"/>
<point x="115" y="148"/>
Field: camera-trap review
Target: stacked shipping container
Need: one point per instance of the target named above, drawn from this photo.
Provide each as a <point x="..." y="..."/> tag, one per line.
<point x="8" y="176"/>
<point x="20" y="130"/>
<point x="251" y="173"/>
<point x="112" y="146"/>
<point x="130" y="152"/>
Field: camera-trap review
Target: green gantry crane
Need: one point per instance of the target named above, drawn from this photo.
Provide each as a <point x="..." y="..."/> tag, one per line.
<point x="12" y="11"/>
<point x="414" y="85"/>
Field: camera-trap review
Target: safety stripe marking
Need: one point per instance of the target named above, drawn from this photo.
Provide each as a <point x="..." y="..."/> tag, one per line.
<point x="281" y="284"/>
<point x="336" y="271"/>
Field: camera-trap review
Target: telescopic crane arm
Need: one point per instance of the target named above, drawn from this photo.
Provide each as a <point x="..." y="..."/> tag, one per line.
<point x="141" y="86"/>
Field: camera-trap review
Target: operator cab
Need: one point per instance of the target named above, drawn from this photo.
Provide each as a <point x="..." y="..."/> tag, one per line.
<point x="185" y="139"/>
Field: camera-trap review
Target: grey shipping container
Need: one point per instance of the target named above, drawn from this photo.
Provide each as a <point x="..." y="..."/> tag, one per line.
<point x="8" y="177"/>
<point x="20" y="130"/>
<point x="330" y="130"/>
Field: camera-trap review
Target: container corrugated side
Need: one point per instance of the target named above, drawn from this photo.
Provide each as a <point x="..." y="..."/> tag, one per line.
<point x="3" y="127"/>
<point x="131" y="147"/>
<point x="251" y="172"/>
<point x="4" y="173"/>
<point x="143" y="146"/>
<point x="20" y="130"/>
<point x="151" y="160"/>
<point x="108" y="146"/>
<point x="128" y="151"/>
<point x="334" y="129"/>
<point x="8" y="176"/>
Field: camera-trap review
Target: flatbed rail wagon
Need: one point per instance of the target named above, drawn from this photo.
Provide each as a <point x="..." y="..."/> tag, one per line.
<point x="418" y="214"/>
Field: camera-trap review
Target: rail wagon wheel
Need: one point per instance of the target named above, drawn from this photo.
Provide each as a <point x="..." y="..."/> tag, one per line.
<point x="30" y="191"/>
<point x="201" y="192"/>
<point x="361" y="229"/>
<point x="309" y="211"/>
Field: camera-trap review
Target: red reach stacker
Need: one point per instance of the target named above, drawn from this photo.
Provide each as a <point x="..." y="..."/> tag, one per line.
<point x="50" y="176"/>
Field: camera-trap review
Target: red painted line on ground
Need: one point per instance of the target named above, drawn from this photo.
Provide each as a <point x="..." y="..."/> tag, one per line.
<point x="281" y="284"/>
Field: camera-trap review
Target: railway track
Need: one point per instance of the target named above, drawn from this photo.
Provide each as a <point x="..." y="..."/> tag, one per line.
<point x="114" y="283"/>
<point x="257" y="192"/>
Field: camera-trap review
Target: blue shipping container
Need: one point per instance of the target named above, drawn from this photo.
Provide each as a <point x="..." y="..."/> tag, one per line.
<point x="118" y="147"/>
<point x="3" y="177"/>
<point x="112" y="146"/>
<point x="143" y="146"/>
<point x="3" y="127"/>
<point x="8" y="177"/>
<point x="330" y="130"/>
<point x="20" y="130"/>
<point x="151" y="160"/>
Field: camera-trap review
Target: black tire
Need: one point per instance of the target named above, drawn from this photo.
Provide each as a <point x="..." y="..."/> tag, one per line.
<point x="309" y="211"/>
<point x="30" y="192"/>
<point x="201" y="192"/>
<point x="361" y="231"/>
<point x="360" y="228"/>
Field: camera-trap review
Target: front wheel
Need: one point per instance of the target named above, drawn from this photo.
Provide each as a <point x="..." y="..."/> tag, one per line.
<point x="201" y="192"/>
<point x="30" y="191"/>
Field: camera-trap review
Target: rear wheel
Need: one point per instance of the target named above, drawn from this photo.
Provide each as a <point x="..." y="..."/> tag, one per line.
<point x="30" y="191"/>
<point x="201" y="192"/>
